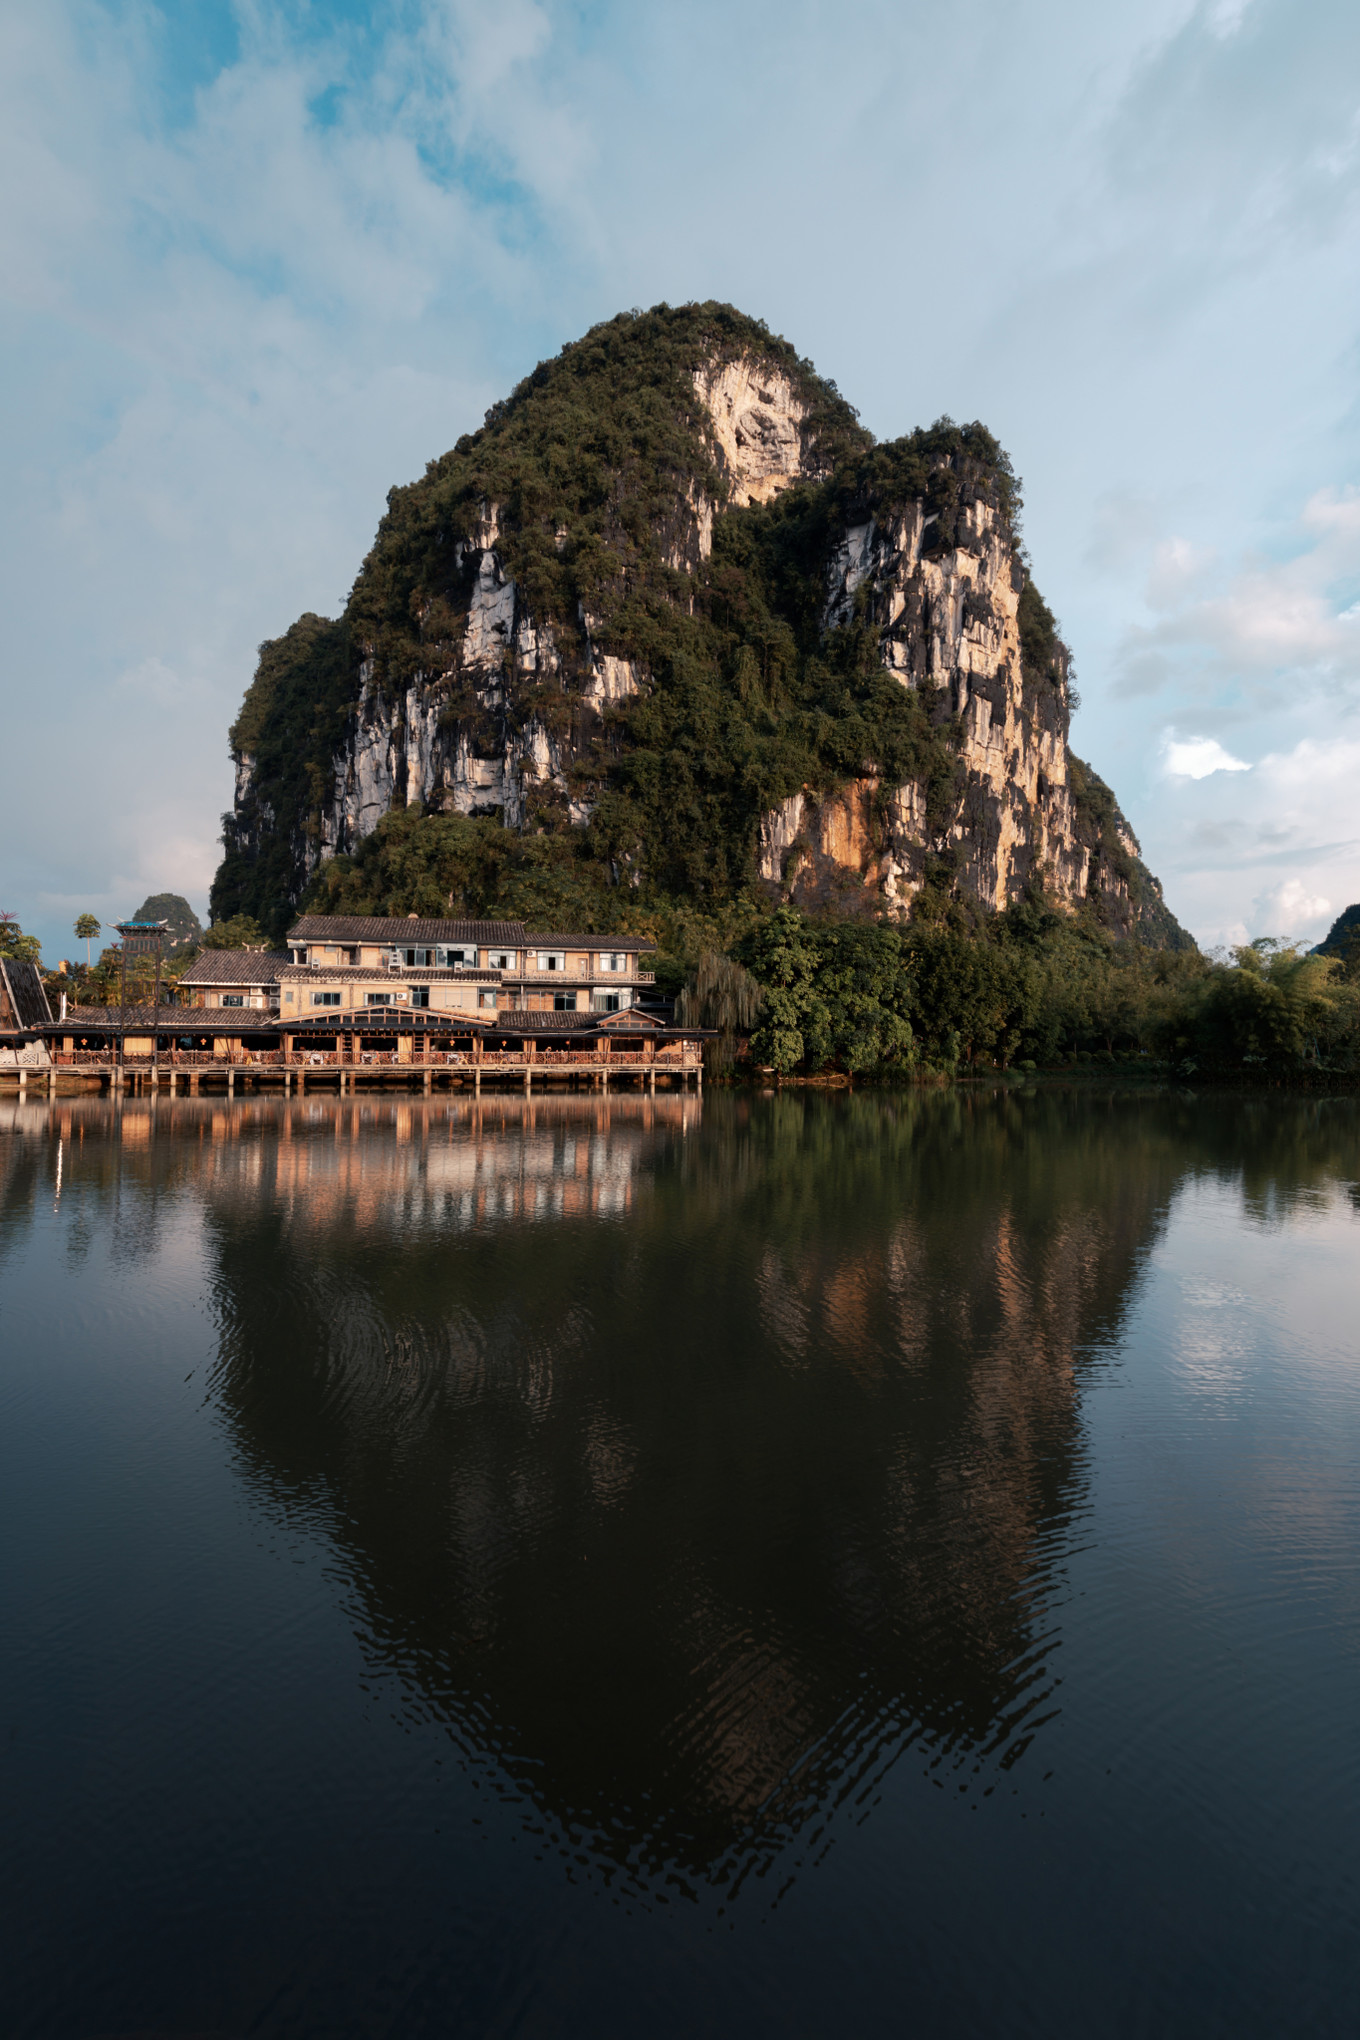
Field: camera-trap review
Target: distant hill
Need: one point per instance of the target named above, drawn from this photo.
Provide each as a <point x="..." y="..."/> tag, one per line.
<point x="1343" y="931"/>
<point x="185" y="928"/>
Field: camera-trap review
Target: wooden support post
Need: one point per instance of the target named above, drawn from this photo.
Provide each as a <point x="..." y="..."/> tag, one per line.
<point x="428" y="1074"/>
<point x="231" y="1080"/>
<point x="51" y="1080"/>
<point x="528" y="1081"/>
<point x="193" y="1083"/>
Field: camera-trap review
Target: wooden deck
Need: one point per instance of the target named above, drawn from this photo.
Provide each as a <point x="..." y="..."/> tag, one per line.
<point x="193" y="1071"/>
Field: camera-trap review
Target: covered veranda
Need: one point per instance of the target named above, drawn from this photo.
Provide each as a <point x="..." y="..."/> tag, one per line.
<point x="196" y="1050"/>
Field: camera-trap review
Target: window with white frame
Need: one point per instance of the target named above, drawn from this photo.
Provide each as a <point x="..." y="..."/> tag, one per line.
<point x="503" y="959"/>
<point x="325" y="998"/>
<point x="377" y="998"/>
<point x="487" y="1001"/>
<point x="458" y="957"/>
<point x="613" y="959"/>
<point x="552" y="959"/>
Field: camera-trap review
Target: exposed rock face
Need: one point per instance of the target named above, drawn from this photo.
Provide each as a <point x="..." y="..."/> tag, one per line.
<point x="757" y="421"/>
<point x="948" y="624"/>
<point x="507" y="636"/>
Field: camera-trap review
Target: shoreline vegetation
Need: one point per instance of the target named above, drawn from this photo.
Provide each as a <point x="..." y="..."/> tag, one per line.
<point x="1030" y="993"/>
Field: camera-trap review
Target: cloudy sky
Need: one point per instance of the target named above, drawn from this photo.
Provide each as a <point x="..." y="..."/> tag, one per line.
<point x="261" y="259"/>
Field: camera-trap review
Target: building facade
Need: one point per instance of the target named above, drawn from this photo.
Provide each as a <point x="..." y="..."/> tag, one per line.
<point x="244" y="979"/>
<point x="359" y="964"/>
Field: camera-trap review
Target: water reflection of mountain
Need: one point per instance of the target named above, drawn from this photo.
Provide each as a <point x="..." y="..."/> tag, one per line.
<point x="699" y="1521"/>
<point x="694" y="1470"/>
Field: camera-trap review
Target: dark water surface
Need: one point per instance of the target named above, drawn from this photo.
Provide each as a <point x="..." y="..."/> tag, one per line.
<point x="751" y="1566"/>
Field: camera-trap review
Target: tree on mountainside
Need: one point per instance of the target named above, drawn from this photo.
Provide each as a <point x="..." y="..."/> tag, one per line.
<point x="240" y="932"/>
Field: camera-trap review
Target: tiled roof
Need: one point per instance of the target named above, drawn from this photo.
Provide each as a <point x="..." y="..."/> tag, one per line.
<point x="378" y="928"/>
<point x="353" y="973"/>
<point x="168" y="1020"/>
<point x="24" y="993"/>
<point x="627" y="942"/>
<point x="236" y="967"/>
<point x="569" y="1023"/>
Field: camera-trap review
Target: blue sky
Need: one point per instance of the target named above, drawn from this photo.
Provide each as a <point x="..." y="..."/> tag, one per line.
<point x="262" y="261"/>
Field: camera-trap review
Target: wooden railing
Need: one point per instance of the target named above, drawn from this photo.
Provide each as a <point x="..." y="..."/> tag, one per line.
<point x="673" y="1055"/>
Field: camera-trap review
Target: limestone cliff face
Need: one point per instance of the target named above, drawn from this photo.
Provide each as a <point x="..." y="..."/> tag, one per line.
<point x="670" y="575"/>
<point x="948" y="625"/>
<point x="402" y="747"/>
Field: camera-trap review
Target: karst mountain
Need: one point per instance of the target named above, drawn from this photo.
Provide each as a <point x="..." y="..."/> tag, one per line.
<point x="672" y="627"/>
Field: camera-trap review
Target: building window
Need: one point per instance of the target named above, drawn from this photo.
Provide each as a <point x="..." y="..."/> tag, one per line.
<point x="457" y="959"/>
<point x="420" y="995"/>
<point x="377" y="998"/>
<point x="233" y="999"/>
<point x="614" y="960"/>
<point x="502" y="959"/>
<point x="325" y="998"/>
<point x="299" y="956"/>
<point x="487" y="1001"/>
<point x="552" y="959"/>
<point x="564" y="1002"/>
<point x="607" y="1002"/>
<point x="419" y="959"/>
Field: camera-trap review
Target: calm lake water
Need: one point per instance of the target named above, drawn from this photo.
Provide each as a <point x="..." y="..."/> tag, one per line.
<point x="785" y="1565"/>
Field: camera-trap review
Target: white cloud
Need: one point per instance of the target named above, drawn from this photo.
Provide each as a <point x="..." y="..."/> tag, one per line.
<point x="1197" y="757"/>
<point x="1272" y="852"/>
<point x="1289" y="910"/>
<point x="1178" y="567"/>
<point x="1270" y="624"/>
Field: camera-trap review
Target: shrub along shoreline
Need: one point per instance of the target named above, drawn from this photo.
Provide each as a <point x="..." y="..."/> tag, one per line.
<point x="1029" y="991"/>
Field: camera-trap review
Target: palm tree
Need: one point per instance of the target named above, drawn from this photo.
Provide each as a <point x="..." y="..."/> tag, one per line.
<point x="87" y="931"/>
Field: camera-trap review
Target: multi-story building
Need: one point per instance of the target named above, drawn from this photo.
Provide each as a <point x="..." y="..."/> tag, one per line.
<point x="365" y="963"/>
<point x="248" y="978"/>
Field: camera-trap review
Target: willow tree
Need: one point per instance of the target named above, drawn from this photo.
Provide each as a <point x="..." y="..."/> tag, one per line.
<point x="723" y="998"/>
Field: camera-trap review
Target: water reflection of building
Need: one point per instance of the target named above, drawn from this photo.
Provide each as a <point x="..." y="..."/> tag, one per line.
<point x="462" y="1162"/>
